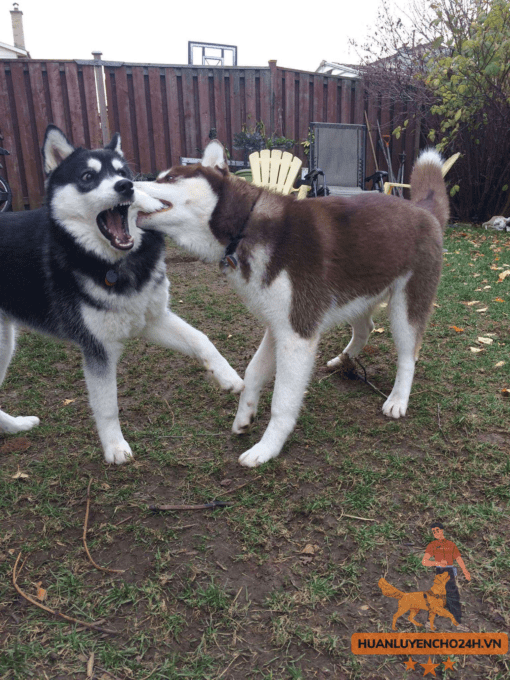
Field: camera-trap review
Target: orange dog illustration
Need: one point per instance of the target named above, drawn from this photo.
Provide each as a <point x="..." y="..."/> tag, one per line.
<point x="432" y="600"/>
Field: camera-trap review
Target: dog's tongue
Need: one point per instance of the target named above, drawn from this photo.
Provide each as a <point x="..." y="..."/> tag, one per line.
<point x="115" y="231"/>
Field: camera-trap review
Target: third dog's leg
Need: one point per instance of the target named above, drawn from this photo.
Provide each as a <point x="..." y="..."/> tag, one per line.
<point x="294" y="362"/>
<point x="405" y="337"/>
<point x="260" y="370"/>
<point x="8" y="423"/>
<point x="361" y="329"/>
<point x="172" y="332"/>
<point x="101" y="378"/>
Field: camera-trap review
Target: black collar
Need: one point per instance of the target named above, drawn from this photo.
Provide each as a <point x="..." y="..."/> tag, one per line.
<point x="229" y="257"/>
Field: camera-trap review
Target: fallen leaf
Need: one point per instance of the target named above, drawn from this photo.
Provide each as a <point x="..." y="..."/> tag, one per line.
<point x="483" y="309"/>
<point x="364" y="607"/>
<point x="15" y="445"/>
<point x="505" y="392"/>
<point x="503" y="275"/>
<point x="20" y="475"/>
<point x="457" y="329"/>
<point x="487" y="287"/>
<point x="66" y="402"/>
<point x="41" y="592"/>
<point x="90" y="666"/>
<point x="485" y="341"/>
<point x="498" y="299"/>
<point x="225" y="482"/>
<point x="476" y="349"/>
<point x="473" y="302"/>
<point x="310" y="549"/>
<point x="378" y="330"/>
<point x="499" y="364"/>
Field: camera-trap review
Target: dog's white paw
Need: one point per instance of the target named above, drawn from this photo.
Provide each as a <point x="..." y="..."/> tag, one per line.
<point x="227" y="379"/>
<point x="395" y="407"/>
<point x="257" y="455"/>
<point x="19" y="424"/>
<point x="118" y="453"/>
<point x="244" y="418"/>
<point x="333" y="363"/>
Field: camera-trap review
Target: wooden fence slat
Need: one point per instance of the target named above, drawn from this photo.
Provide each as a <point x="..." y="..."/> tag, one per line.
<point x="235" y="109"/>
<point x="301" y="132"/>
<point x="220" y="105"/>
<point x="29" y="146"/>
<point x="125" y="127"/>
<point x="91" y="107"/>
<point x="190" y="131"/>
<point x="75" y="106"/>
<point x="173" y="123"/>
<point x="12" y="163"/>
<point x="204" y="106"/>
<point x="251" y="98"/>
<point x="142" y="140"/>
<point x="345" y="107"/>
<point x="158" y="124"/>
<point x="318" y="99"/>
<point x="286" y="125"/>
<point x="56" y="96"/>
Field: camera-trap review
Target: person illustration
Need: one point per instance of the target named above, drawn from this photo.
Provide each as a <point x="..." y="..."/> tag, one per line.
<point x="441" y="554"/>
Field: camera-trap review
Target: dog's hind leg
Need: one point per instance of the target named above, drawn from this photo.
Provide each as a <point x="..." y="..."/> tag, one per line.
<point x="405" y="335"/>
<point x="295" y="358"/>
<point x="412" y="614"/>
<point x="260" y="370"/>
<point x="101" y="378"/>
<point x="361" y="329"/>
<point x="172" y="332"/>
<point x="8" y="423"/>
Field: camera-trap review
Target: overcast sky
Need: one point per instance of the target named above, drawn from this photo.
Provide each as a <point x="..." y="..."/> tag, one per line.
<point x="297" y="34"/>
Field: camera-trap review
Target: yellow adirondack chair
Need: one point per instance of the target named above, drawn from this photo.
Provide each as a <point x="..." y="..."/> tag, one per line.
<point x="277" y="171"/>
<point x="388" y="186"/>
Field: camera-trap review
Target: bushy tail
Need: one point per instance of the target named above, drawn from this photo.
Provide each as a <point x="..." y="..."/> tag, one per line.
<point x="427" y="186"/>
<point x="388" y="590"/>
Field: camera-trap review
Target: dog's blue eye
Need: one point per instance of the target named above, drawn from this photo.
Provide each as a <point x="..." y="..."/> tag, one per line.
<point x="87" y="176"/>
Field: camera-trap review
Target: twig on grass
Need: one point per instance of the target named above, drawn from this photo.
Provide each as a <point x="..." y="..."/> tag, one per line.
<point x="85" y="528"/>
<point x="203" y="506"/>
<point x="93" y="626"/>
<point x="439" y="424"/>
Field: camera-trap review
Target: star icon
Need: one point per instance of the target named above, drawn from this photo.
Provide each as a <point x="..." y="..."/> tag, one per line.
<point x="429" y="667"/>
<point x="448" y="665"/>
<point x="410" y="664"/>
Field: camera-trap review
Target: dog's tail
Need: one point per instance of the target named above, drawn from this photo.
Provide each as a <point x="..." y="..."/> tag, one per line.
<point x="388" y="590"/>
<point x="428" y="189"/>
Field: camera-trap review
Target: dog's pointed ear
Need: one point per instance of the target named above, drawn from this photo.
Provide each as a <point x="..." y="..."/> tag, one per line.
<point x="56" y="148"/>
<point x="115" y="145"/>
<point x="215" y="157"/>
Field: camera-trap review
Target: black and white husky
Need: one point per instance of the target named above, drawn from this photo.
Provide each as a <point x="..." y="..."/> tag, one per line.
<point x="305" y="266"/>
<point x="75" y="270"/>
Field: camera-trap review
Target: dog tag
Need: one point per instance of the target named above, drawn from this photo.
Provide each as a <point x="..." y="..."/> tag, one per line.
<point x="111" y="278"/>
<point x="231" y="261"/>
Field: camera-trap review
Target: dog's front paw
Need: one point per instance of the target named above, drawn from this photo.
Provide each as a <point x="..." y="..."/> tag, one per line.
<point x="257" y="455"/>
<point x="227" y="379"/>
<point x="244" y="419"/>
<point x="394" y="407"/>
<point x="118" y="453"/>
<point x="19" y="424"/>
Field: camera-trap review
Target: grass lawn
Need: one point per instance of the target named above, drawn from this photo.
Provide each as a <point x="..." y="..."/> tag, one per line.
<point x="273" y="585"/>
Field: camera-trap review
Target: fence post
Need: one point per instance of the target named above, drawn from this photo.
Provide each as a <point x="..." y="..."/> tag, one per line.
<point x="273" y="96"/>
<point x="101" y="98"/>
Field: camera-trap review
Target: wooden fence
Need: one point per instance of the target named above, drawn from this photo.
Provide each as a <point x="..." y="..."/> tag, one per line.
<point x="165" y="112"/>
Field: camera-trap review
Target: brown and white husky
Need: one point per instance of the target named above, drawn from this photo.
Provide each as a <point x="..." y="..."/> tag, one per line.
<point x="305" y="266"/>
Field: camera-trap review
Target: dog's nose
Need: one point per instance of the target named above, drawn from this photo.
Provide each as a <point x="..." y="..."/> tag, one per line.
<point x="124" y="187"/>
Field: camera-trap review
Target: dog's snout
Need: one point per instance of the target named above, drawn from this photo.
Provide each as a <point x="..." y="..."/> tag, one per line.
<point x="124" y="187"/>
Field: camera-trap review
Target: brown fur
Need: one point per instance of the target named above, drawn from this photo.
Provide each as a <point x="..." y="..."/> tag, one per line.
<point x="433" y="601"/>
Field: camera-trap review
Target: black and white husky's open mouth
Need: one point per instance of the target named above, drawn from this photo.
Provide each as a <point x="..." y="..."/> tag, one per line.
<point x="113" y="224"/>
